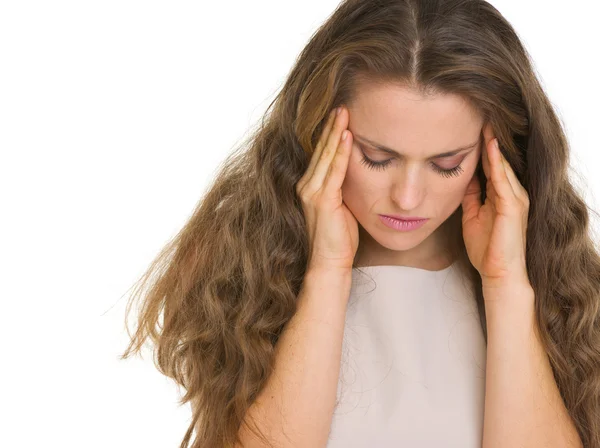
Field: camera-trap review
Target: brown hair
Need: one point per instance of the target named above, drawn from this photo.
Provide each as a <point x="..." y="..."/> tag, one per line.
<point x="227" y="283"/>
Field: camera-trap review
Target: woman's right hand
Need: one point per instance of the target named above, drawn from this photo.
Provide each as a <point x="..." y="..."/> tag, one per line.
<point x="332" y="228"/>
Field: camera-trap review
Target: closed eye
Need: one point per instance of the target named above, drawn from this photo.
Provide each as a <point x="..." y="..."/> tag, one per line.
<point x="382" y="165"/>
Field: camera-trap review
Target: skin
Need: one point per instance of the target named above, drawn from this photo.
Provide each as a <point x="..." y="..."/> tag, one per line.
<point x="418" y="127"/>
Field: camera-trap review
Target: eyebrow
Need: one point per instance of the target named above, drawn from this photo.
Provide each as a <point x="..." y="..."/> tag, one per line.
<point x="391" y="151"/>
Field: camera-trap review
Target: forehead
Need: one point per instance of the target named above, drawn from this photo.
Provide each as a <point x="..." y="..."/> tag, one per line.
<point x="418" y="126"/>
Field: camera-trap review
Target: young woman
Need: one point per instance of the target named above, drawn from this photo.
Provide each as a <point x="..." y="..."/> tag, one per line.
<point x="297" y="312"/>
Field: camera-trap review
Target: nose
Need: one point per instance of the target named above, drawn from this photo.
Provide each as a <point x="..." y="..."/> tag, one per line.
<point x="407" y="191"/>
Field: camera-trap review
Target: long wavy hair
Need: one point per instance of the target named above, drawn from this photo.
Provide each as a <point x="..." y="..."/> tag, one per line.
<point x="227" y="283"/>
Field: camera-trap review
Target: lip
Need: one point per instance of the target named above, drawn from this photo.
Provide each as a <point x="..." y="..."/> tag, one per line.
<point x="401" y="225"/>
<point x="405" y="218"/>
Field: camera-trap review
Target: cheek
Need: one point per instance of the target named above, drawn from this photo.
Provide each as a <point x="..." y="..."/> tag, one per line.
<point x="360" y="187"/>
<point x="354" y="176"/>
<point x="454" y="192"/>
<point x="351" y="190"/>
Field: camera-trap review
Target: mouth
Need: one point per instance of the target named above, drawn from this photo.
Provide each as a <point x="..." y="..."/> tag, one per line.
<point x="402" y="225"/>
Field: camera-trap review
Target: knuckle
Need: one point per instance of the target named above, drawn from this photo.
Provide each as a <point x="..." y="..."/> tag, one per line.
<point x="302" y="198"/>
<point x="326" y="153"/>
<point x="300" y="192"/>
<point x="305" y="195"/>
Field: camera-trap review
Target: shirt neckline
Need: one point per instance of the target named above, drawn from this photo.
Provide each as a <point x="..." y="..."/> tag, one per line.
<point x="388" y="266"/>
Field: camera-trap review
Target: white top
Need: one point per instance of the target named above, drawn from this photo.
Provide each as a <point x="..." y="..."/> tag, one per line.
<point x="413" y="362"/>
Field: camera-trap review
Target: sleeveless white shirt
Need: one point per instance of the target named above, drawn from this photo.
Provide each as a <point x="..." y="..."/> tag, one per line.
<point x="412" y="371"/>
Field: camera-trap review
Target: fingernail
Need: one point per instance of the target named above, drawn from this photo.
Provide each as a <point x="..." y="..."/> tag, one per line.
<point x="344" y="135"/>
<point x="339" y="109"/>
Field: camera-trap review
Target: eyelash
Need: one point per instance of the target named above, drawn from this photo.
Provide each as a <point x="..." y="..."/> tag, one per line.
<point x="382" y="165"/>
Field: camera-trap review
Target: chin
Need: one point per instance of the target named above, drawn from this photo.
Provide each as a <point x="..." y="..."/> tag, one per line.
<point x="395" y="240"/>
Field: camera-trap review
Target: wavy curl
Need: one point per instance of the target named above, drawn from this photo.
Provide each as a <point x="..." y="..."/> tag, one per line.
<point x="227" y="283"/>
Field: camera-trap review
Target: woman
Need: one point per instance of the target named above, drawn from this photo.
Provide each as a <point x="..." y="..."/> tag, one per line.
<point x="262" y="290"/>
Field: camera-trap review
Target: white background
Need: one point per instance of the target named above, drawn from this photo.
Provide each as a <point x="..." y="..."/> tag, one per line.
<point x="114" y="116"/>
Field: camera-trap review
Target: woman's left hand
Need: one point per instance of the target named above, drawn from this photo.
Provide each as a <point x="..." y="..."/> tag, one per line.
<point x="495" y="232"/>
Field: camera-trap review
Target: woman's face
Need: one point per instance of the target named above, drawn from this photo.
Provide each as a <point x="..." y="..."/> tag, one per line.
<point x="415" y="181"/>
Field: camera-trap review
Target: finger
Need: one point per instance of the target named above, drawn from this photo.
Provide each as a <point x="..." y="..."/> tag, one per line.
<point x="319" y="148"/>
<point x="518" y="189"/>
<point x="499" y="178"/>
<point x="472" y="199"/>
<point x="329" y="151"/>
<point x="339" y="165"/>
<point x="488" y="136"/>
